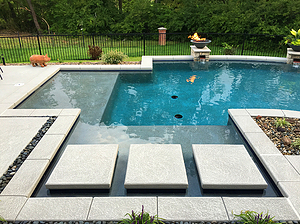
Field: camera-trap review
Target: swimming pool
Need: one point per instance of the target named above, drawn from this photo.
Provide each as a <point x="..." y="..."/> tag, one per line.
<point x="210" y="88"/>
<point x="201" y="94"/>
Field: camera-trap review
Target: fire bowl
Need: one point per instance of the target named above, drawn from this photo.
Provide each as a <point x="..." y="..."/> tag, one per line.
<point x="200" y="44"/>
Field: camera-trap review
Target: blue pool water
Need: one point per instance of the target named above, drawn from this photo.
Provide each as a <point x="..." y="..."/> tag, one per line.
<point x="202" y="92"/>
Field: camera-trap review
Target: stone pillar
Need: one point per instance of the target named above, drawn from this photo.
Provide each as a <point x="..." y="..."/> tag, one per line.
<point x="162" y="35"/>
<point x="292" y="56"/>
<point x="200" y="54"/>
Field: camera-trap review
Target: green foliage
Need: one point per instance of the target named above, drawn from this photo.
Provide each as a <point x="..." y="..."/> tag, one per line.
<point x="94" y="52"/>
<point x="281" y="122"/>
<point x="228" y="49"/>
<point x="294" y="38"/>
<point x="114" y="57"/>
<point x="141" y="218"/>
<point x="251" y="217"/>
<point x="296" y="143"/>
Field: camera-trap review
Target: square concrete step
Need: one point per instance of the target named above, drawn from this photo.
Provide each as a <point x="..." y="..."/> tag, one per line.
<point x="155" y="166"/>
<point x="84" y="167"/>
<point x="227" y="167"/>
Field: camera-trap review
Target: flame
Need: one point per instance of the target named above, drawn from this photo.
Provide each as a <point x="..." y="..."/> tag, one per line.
<point x="191" y="79"/>
<point x="196" y="37"/>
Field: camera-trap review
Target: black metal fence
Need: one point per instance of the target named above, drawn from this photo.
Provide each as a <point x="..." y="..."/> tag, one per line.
<point x="75" y="47"/>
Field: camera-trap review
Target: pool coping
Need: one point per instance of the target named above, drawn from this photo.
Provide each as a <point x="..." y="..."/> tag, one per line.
<point x="22" y="207"/>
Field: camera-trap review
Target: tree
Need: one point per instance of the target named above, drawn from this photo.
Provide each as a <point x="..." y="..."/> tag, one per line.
<point x="37" y="25"/>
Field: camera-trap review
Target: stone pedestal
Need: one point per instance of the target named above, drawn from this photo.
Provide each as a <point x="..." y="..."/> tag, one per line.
<point x="292" y="56"/>
<point x="200" y="54"/>
<point x="162" y="35"/>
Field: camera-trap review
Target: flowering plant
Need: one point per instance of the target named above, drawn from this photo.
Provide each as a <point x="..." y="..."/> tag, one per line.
<point x="251" y="217"/>
<point x="142" y="218"/>
<point x="293" y="39"/>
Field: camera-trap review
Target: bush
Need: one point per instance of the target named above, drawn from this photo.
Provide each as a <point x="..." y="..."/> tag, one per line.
<point x="228" y="49"/>
<point x="95" y="52"/>
<point x="141" y="218"/>
<point x="114" y="57"/>
<point x="251" y="217"/>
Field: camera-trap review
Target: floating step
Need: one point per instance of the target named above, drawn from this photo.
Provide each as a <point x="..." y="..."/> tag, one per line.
<point x="84" y="167"/>
<point x="155" y="166"/>
<point x="227" y="167"/>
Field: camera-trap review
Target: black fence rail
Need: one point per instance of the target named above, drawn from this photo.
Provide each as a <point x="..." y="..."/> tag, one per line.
<point x="75" y="47"/>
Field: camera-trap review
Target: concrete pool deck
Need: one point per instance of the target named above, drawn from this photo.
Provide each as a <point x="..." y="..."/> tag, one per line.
<point x="15" y="201"/>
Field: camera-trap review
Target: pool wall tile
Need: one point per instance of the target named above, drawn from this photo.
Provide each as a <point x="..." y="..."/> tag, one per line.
<point x="114" y="208"/>
<point x="281" y="208"/>
<point x="9" y="202"/>
<point x="56" y="209"/>
<point x="192" y="209"/>
<point x="275" y="164"/>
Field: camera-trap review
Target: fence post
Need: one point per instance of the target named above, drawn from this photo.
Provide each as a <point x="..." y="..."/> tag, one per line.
<point x="19" y="40"/>
<point x="242" y="53"/>
<point x="82" y="39"/>
<point x="38" y="39"/>
<point x="144" y="43"/>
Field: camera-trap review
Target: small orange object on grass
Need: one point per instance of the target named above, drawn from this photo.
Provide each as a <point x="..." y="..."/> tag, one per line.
<point x="39" y="59"/>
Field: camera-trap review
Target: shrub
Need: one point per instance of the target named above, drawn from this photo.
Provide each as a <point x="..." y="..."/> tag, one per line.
<point x="94" y="52"/>
<point x="114" y="57"/>
<point x="251" y="217"/>
<point x="142" y="218"/>
<point x="296" y="143"/>
<point x="281" y="122"/>
<point x="228" y="49"/>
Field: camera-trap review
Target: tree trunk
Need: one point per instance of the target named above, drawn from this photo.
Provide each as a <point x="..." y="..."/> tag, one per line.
<point x="120" y="5"/>
<point x="37" y="25"/>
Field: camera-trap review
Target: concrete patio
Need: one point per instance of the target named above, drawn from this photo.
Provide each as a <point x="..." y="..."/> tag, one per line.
<point x="19" y="126"/>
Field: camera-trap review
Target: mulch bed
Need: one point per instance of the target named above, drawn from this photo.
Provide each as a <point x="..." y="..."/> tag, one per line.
<point x="282" y="137"/>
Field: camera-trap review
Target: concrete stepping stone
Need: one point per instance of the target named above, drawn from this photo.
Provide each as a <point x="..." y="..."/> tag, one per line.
<point x="84" y="167"/>
<point x="155" y="166"/>
<point x="227" y="167"/>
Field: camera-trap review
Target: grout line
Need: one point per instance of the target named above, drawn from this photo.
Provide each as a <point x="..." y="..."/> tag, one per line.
<point x="225" y="208"/>
<point x="89" y="211"/>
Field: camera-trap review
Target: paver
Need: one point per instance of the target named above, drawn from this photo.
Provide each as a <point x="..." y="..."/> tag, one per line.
<point x="295" y="161"/>
<point x="27" y="178"/>
<point x="278" y="207"/>
<point x="227" y="167"/>
<point x="47" y="147"/>
<point x="56" y="209"/>
<point x="84" y="167"/>
<point x="155" y="166"/>
<point x="192" y="208"/>
<point x="10" y="206"/>
<point x="115" y="208"/>
<point x="291" y="190"/>
<point x="16" y="133"/>
<point x="279" y="168"/>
